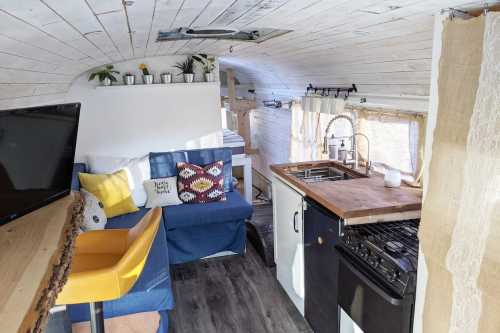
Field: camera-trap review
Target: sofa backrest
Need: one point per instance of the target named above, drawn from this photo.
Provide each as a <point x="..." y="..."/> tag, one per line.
<point x="75" y="181"/>
<point x="165" y="164"/>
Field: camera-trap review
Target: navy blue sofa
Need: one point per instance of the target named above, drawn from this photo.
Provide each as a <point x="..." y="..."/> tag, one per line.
<point x="198" y="230"/>
<point x="188" y="232"/>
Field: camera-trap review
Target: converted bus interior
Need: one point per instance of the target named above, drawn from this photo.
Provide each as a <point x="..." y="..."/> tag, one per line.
<point x="249" y="166"/>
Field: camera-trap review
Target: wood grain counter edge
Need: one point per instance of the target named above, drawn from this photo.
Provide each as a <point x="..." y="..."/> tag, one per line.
<point x="35" y="318"/>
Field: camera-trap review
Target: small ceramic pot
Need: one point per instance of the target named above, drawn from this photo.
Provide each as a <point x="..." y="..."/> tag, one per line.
<point x="148" y="79"/>
<point x="209" y="77"/>
<point x="106" y="82"/>
<point x="129" y="80"/>
<point x="188" y="78"/>
<point x="166" y="78"/>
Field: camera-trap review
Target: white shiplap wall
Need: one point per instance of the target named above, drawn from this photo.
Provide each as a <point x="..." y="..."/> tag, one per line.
<point x="384" y="46"/>
<point x="271" y="129"/>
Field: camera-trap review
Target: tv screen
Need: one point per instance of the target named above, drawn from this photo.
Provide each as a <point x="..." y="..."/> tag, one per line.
<point x="37" y="150"/>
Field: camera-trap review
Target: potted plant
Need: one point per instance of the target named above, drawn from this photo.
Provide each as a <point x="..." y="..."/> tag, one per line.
<point x="129" y="79"/>
<point x="187" y="69"/>
<point x="105" y="75"/>
<point x="166" y="77"/>
<point x="147" y="78"/>
<point x="208" y="65"/>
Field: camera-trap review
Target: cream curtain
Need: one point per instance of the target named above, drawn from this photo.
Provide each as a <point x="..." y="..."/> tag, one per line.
<point x="460" y="226"/>
<point x="310" y="117"/>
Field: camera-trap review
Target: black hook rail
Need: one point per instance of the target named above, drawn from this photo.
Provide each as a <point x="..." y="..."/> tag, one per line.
<point x="327" y="91"/>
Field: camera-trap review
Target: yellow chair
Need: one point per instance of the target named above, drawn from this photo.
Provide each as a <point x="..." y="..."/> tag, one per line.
<point x="107" y="263"/>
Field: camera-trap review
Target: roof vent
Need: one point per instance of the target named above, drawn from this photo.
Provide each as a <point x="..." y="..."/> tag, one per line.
<point x="203" y="33"/>
<point x="249" y="35"/>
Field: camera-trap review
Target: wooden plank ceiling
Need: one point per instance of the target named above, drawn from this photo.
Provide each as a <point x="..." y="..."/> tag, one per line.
<point x="383" y="46"/>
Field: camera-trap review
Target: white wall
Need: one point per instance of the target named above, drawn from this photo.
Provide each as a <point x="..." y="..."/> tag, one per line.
<point x="132" y="121"/>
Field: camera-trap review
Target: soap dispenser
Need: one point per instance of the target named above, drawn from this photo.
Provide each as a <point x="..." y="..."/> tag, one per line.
<point x="342" y="155"/>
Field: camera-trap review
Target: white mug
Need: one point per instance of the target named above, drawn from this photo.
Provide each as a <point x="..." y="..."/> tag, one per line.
<point x="392" y="178"/>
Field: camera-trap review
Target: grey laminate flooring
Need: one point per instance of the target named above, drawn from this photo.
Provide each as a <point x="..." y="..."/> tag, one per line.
<point x="236" y="294"/>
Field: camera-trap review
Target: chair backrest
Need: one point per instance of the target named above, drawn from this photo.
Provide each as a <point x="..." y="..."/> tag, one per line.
<point x="139" y="242"/>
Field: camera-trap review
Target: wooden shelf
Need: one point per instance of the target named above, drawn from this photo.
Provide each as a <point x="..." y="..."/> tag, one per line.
<point x="160" y="85"/>
<point x="35" y="255"/>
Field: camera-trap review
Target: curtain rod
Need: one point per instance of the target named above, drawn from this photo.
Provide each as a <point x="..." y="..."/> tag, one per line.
<point x="385" y="110"/>
<point x="325" y="91"/>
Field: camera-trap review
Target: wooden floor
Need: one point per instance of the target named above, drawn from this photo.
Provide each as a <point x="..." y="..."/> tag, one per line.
<point x="236" y="294"/>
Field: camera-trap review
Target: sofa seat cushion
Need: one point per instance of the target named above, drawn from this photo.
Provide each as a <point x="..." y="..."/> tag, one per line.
<point x="234" y="208"/>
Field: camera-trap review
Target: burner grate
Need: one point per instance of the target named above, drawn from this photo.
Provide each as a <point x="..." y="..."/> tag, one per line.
<point x="403" y="232"/>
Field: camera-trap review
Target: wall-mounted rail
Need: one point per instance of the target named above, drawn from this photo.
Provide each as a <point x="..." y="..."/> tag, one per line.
<point x="331" y="91"/>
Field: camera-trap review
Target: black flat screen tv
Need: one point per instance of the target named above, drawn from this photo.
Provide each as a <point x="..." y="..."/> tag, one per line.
<point x="37" y="151"/>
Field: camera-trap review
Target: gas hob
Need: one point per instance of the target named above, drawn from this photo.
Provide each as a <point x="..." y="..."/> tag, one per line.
<point x="388" y="251"/>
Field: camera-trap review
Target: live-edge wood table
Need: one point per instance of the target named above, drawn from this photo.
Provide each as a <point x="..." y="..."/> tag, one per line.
<point x="35" y="258"/>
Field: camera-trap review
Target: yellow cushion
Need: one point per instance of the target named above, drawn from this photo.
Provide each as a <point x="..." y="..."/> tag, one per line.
<point x="112" y="190"/>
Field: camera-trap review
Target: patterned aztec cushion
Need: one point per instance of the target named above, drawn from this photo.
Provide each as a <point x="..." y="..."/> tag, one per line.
<point x="201" y="184"/>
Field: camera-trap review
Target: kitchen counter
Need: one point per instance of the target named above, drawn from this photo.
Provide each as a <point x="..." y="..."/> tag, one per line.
<point x="358" y="200"/>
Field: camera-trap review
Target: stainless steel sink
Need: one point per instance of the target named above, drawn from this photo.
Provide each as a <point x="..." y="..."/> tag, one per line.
<point x="322" y="174"/>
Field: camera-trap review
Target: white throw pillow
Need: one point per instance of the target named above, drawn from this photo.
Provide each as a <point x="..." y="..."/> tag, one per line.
<point x="94" y="217"/>
<point x="138" y="170"/>
<point x="162" y="192"/>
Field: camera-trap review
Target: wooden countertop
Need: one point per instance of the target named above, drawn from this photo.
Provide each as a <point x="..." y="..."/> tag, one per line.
<point x="35" y="257"/>
<point x="354" y="198"/>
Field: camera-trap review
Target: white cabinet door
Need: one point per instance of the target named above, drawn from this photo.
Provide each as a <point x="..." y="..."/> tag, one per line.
<point x="288" y="241"/>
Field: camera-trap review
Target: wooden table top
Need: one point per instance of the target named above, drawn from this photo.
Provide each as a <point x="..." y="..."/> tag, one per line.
<point x="354" y="198"/>
<point x="35" y="256"/>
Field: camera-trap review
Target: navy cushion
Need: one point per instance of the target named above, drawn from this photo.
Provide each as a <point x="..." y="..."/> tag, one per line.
<point x="235" y="208"/>
<point x="165" y="164"/>
<point x="75" y="181"/>
<point x="151" y="292"/>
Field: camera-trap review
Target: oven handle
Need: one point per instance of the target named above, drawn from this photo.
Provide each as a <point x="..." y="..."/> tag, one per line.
<point x="368" y="282"/>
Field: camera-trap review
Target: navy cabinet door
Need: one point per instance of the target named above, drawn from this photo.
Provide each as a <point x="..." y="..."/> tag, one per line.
<point x="321" y="234"/>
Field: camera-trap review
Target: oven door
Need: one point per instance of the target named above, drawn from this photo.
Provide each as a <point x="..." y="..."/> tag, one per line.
<point x="367" y="305"/>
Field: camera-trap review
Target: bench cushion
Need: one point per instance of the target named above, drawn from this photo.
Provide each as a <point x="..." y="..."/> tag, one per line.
<point x="234" y="208"/>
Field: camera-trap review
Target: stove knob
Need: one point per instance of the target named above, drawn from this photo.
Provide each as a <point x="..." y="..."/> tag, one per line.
<point x="374" y="261"/>
<point x="365" y="253"/>
<point x="393" y="276"/>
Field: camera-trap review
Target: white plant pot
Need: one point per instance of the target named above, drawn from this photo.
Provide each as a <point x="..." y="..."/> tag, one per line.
<point x="106" y="82"/>
<point x="209" y="77"/>
<point x="166" y="78"/>
<point x="129" y="80"/>
<point x="188" y="78"/>
<point x="148" y="79"/>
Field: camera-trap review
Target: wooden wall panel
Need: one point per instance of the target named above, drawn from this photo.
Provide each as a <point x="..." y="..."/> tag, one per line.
<point x="383" y="47"/>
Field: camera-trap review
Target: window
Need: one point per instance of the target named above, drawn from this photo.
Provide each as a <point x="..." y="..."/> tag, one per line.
<point x="394" y="141"/>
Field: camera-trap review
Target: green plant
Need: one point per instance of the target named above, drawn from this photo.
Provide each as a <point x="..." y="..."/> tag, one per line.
<point x="208" y="63"/>
<point x="105" y="73"/>
<point x="144" y="69"/>
<point x="186" y="66"/>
